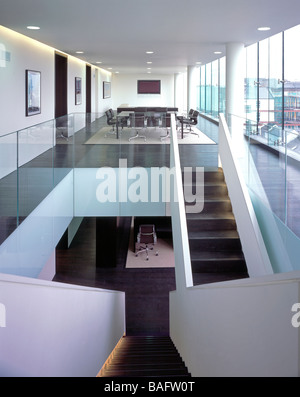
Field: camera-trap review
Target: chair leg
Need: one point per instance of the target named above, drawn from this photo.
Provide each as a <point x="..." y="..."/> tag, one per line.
<point x="165" y="136"/>
<point x="137" y="136"/>
<point x="145" y="249"/>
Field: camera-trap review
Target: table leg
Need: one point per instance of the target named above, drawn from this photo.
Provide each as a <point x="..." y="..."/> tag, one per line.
<point x="117" y="128"/>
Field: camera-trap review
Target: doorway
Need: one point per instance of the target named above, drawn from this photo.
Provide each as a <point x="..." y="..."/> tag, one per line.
<point x="61" y="85"/>
<point x="88" y="89"/>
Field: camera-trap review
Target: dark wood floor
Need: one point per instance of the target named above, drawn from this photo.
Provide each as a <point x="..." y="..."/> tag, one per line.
<point x="147" y="290"/>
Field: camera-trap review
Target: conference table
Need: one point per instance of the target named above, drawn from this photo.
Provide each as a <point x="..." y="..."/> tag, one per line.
<point x="136" y="118"/>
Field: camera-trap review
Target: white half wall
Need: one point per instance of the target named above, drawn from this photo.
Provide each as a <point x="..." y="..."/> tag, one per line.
<point x="57" y="330"/>
<point x="238" y="329"/>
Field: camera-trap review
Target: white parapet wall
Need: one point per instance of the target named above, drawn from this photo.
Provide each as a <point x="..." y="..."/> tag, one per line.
<point x="239" y="328"/>
<point x="56" y="330"/>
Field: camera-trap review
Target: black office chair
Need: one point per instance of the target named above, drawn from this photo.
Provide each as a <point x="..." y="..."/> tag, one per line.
<point x="110" y="121"/>
<point x="189" y="121"/>
<point x="146" y="239"/>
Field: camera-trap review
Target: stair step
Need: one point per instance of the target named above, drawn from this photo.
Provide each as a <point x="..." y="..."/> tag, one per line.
<point x="224" y="261"/>
<point x="213" y="176"/>
<point x="214" y="205"/>
<point x="146" y="373"/>
<point x="210" y="278"/>
<point x="210" y="222"/>
<point x="214" y="240"/>
<point x="145" y="357"/>
<point x="209" y="189"/>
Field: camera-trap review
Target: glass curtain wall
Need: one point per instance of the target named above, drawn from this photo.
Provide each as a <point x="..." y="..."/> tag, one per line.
<point x="212" y="88"/>
<point x="272" y="106"/>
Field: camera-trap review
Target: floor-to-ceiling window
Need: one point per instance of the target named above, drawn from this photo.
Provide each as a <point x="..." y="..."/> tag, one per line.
<point x="208" y="89"/>
<point x="215" y="89"/>
<point x="251" y="89"/>
<point x="212" y="88"/>
<point x="202" y="88"/>
<point x="272" y="107"/>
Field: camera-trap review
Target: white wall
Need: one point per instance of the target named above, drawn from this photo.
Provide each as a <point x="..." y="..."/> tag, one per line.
<point x="124" y="89"/>
<point x="101" y="104"/>
<point x="238" y="329"/>
<point x="57" y="330"/>
<point x="24" y="54"/>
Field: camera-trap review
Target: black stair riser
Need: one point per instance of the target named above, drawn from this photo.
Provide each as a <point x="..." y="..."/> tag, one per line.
<point x="202" y="266"/>
<point x="214" y="207"/>
<point x="210" y="224"/>
<point x="215" y="244"/>
<point x="208" y="190"/>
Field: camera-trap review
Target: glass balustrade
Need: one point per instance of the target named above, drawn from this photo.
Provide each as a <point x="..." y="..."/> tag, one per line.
<point x="34" y="160"/>
<point x="270" y="162"/>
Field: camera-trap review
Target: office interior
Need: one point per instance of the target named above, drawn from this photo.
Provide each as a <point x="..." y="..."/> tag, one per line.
<point x="228" y="294"/>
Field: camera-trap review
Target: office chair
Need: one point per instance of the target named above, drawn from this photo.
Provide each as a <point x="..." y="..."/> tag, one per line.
<point x="110" y="121"/>
<point x="192" y="119"/>
<point x="146" y="239"/>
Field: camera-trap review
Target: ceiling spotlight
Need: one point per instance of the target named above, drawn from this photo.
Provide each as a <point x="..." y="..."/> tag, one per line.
<point x="33" y="27"/>
<point x="264" y="29"/>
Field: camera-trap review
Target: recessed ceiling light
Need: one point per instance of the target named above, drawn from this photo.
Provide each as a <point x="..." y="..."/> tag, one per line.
<point x="33" y="27"/>
<point x="98" y="62"/>
<point x="149" y="52"/>
<point x="198" y="63"/>
<point x="149" y="63"/>
<point x="79" y="52"/>
<point x="264" y="28"/>
<point x="109" y="68"/>
<point x="149" y="68"/>
<point x="218" y="52"/>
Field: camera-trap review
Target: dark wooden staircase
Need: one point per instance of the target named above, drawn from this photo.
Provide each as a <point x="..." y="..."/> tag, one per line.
<point x="215" y="246"/>
<point x="145" y="356"/>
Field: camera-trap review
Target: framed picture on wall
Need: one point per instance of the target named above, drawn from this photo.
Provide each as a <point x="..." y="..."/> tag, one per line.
<point x="78" y="91"/>
<point x="106" y="89"/>
<point x="33" y="92"/>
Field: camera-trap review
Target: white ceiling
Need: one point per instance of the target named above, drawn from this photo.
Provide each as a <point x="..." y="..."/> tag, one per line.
<point x="119" y="32"/>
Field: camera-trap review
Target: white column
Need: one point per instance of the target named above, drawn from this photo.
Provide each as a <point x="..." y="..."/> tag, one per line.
<point x="179" y="92"/>
<point x="192" y="87"/>
<point x="235" y="80"/>
<point x="235" y="75"/>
